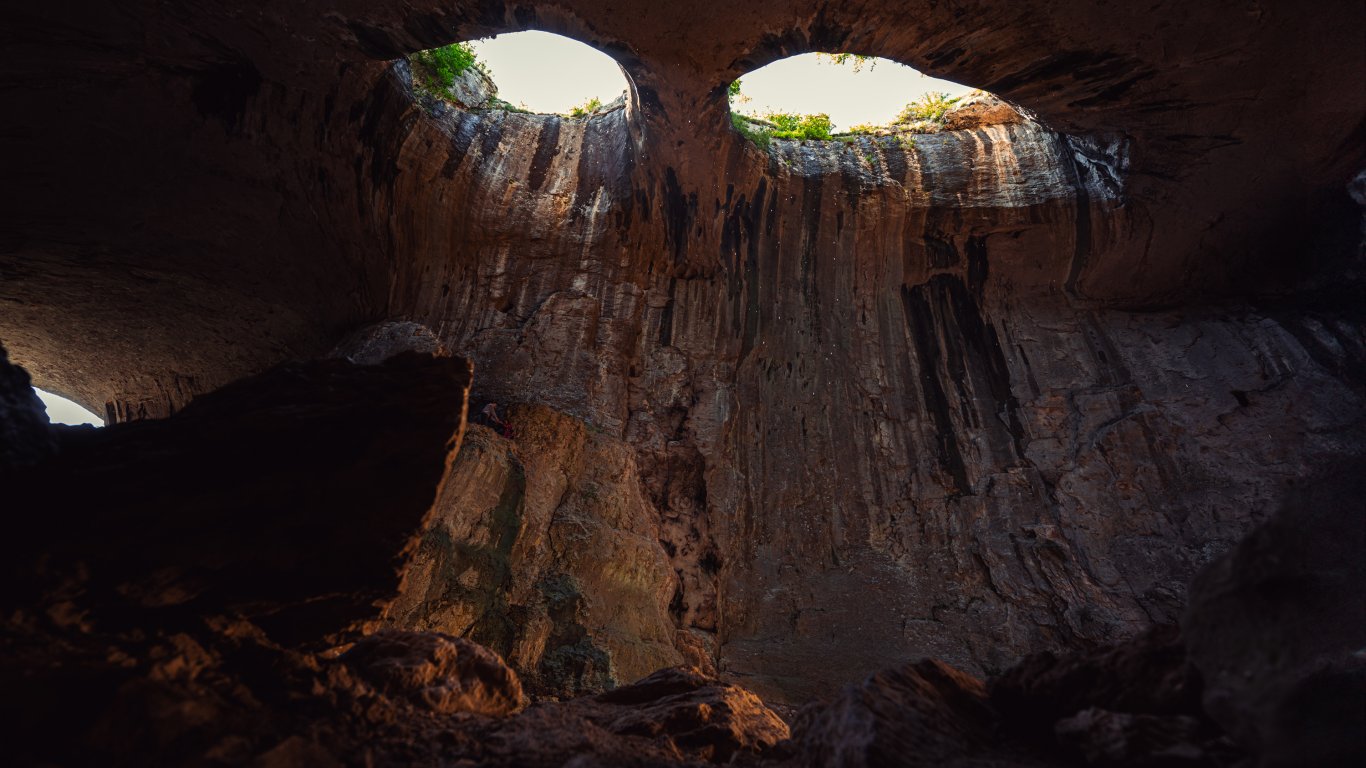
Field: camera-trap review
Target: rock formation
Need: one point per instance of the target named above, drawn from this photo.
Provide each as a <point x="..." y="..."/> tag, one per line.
<point x="25" y="435"/>
<point x="789" y="417"/>
<point x="146" y="632"/>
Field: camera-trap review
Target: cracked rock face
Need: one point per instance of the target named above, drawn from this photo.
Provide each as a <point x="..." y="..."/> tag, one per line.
<point x="791" y="416"/>
<point x="878" y="398"/>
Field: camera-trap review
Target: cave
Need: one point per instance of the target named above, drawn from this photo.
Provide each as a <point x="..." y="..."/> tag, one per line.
<point x="443" y="432"/>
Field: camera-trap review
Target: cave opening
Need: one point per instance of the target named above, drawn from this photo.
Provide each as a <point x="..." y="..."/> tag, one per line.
<point x="61" y="410"/>
<point x="532" y="71"/>
<point x="839" y="96"/>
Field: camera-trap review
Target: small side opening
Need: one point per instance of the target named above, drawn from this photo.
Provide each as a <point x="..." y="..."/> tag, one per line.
<point x="63" y="411"/>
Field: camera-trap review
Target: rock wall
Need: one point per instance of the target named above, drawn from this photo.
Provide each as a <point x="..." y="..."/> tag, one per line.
<point x="545" y="550"/>
<point x="841" y="405"/>
<point x="884" y="423"/>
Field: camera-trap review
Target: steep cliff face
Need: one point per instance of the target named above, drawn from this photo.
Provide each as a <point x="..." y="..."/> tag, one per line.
<point x="884" y="422"/>
<point x="545" y="550"/>
<point x="797" y="415"/>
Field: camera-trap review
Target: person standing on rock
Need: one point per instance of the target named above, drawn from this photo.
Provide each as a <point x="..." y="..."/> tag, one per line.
<point x="490" y="414"/>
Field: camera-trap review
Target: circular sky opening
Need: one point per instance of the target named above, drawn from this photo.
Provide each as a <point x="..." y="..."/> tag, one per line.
<point x="543" y="72"/>
<point x="63" y="411"/>
<point x="852" y="90"/>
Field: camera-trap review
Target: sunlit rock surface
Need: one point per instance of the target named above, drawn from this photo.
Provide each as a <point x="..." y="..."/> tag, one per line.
<point x="544" y="548"/>
<point x="790" y="416"/>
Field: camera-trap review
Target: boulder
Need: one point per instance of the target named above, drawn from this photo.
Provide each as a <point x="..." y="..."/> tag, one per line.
<point x="1277" y="628"/>
<point x="442" y="673"/>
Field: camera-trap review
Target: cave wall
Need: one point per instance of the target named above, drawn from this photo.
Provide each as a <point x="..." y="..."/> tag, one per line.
<point x="1003" y="390"/>
<point x="883" y="422"/>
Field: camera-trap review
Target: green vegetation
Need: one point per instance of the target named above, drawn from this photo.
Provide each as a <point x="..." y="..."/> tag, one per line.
<point x="755" y="131"/>
<point x="587" y="108"/>
<point x="436" y="69"/>
<point x="788" y="126"/>
<point x="778" y="125"/>
<point x="865" y="129"/>
<point x="782" y="125"/>
<point x="931" y="107"/>
<point x="499" y="104"/>
<point x="844" y="58"/>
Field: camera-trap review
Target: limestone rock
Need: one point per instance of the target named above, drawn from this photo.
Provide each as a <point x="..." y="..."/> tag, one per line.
<point x="543" y="547"/>
<point x="979" y="110"/>
<point x="473" y="88"/>
<point x="1013" y="385"/>
<point x="446" y="674"/>
<point x="377" y="343"/>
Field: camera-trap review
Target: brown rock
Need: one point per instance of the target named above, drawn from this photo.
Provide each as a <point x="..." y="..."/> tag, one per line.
<point x="1277" y="627"/>
<point x="443" y="673"/>
<point x="672" y="717"/>
<point x="978" y="111"/>
<point x="297" y="752"/>
<point x="1124" y="740"/>
<point x="826" y="377"/>
<point x="1147" y="675"/>
<point x="923" y="714"/>
<point x="544" y="548"/>
<point x="701" y="717"/>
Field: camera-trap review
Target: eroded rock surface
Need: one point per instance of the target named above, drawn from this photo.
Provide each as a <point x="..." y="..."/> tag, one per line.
<point x="543" y="548"/>
<point x="443" y="673"/>
<point x="890" y="389"/>
<point x="979" y="110"/>
<point x="1013" y="384"/>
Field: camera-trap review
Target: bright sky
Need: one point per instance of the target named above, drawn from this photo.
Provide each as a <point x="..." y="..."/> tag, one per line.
<point x="63" y="411"/>
<point x="550" y="73"/>
<point x="808" y="84"/>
